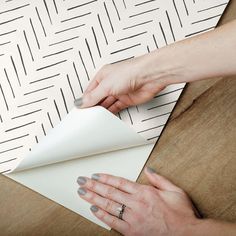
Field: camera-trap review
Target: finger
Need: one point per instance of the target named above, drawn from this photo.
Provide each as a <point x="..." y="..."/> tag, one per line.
<point x="112" y="221"/>
<point x="106" y="191"/>
<point x="159" y="181"/>
<point x="95" y="82"/>
<point x="92" y="85"/>
<point x="108" y="101"/>
<point x="117" y="182"/>
<point x="106" y="204"/>
<point x="93" y="97"/>
<point x="116" y="107"/>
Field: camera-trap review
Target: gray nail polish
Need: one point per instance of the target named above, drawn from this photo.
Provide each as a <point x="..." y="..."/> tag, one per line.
<point x="81" y="180"/>
<point x="150" y="170"/>
<point x="95" y="176"/>
<point x="78" y="102"/>
<point x="93" y="208"/>
<point x="81" y="191"/>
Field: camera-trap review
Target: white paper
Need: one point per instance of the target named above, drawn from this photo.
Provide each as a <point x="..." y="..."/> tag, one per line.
<point x="58" y="181"/>
<point x="83" y="132"/>
<point x="49" y="51"/>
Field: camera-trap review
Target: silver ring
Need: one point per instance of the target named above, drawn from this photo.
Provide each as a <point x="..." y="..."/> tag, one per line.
<point x="121" y="210"/>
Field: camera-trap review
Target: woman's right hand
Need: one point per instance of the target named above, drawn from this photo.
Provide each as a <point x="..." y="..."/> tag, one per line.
<point x="135" y="81"/>
<point x="117" y="86"/>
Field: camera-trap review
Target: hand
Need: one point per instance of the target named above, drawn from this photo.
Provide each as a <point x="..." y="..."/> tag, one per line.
<point x="135" y="81"/>
<point x="159" y="209"/>
<point x="117" y="86"/>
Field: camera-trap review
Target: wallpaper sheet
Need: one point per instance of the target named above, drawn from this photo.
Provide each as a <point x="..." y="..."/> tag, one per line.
<point x="49" y="52"/>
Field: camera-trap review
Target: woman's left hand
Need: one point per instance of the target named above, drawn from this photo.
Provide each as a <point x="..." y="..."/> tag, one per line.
<point x="159" y="209"/>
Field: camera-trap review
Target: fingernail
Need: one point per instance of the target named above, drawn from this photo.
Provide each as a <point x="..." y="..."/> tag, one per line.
<point x="78" y="102"/>
<point x="81" y="180"/>
<point x="95" y="176"/>
<point x="150" y="170"/>
<point x="93" y="208"/>
<point x="81" y="191"/>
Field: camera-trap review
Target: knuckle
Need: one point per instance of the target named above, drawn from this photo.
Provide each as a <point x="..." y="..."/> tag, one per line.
<point x="90" y="196"/>
<point x="106" y="86"/>
<point x="91" y="185"/>
<point x="121" y="182"/>
<point x="116" y="106"/>
<point x="146" y="193"/>
<point x="108" y="205"/>
<point x="110" y="192"/>
<point x="119" y="106"/>
<point x="87" y="96"/>
<point x="133" y="84"/>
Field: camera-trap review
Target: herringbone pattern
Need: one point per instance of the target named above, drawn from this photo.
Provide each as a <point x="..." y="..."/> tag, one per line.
<point x="51" y="49"/>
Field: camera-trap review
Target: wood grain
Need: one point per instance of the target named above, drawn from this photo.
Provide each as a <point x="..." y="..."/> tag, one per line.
<point x="196" y="151"/>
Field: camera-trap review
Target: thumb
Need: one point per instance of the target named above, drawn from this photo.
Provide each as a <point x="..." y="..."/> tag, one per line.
<point x="160" y="182"/>
<point x="93" y="97"/>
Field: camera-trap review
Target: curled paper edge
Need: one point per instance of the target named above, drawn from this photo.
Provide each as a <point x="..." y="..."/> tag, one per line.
<point x="82" y="133"/>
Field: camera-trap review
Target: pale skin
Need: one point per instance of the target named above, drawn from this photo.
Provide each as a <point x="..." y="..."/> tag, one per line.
<point x="158" y="209"/>
<point x="168" y="209"/>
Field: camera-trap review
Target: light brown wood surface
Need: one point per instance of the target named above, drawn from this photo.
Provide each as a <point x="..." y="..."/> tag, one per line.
<point x="197" y="151"/>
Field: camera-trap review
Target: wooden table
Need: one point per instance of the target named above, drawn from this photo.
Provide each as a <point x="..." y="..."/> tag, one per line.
<point x="197" y="151"/>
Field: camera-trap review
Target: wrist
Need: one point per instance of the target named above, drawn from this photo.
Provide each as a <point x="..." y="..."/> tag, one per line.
<point x="203" y="227"/>
<point x="194" y="228"/>
<point x="163" y="65"/>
